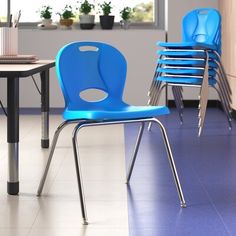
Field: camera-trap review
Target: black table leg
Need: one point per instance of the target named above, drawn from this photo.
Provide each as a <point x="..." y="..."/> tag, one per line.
<point x="45" y="108"/>
<point x="13" y="135"/>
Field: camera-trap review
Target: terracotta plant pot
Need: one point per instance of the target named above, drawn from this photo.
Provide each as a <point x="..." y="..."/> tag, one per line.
<point x="66" y="22"/>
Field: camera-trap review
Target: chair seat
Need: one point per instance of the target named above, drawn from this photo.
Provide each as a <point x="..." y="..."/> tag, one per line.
<point x="185" y="80"/>
<point x="192" y="62"/>
<point x="120" y="113"/>
<point x="187" y="54"/>
<point x="185" y="71"/>
<point x="187" y="45"/>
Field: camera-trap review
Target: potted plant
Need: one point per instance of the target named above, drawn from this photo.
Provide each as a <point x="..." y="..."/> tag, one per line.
<point x="106" y="20"/>
<point x="86" y="20"/>
<point x="126" y="14"/>
<point x="46" y="15"/>
<point x="65" y="17"/>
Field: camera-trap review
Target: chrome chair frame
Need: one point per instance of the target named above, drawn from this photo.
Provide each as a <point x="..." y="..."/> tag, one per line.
<point x="82" y="124"/>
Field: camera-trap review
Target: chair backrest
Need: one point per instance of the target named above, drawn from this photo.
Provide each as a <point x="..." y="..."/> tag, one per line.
<point x="203" y="26"/>
<point x="82" y="66"/>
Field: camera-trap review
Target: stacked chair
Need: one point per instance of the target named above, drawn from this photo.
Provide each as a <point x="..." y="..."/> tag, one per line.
<point x="194" y="62"/>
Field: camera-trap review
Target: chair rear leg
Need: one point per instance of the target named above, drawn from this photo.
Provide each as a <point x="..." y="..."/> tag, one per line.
<point x="225" y="107"/>
<point x="131" y="166"/>
<point x="177" y="99"/>
<point x="156" y="100"/>
<point x="172" y="164"/>
<point x="54" y="142"/>
<point x="79" y="176"/>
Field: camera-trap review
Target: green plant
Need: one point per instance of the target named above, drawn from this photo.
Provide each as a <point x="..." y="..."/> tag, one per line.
<point x="46" y="12"/>
<point x="143" y="12"/>
<point x="86" y="7"/>
<point x="106" y="8"/>
<point x="67" y="13"/>
<point x="126" y="13"/>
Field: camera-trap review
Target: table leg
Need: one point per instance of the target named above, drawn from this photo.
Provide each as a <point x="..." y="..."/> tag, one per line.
<point x="45" y="108"/>
<point x="13" y="135"/>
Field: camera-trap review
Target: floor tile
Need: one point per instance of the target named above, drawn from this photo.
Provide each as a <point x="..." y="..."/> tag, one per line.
<point x="14" y="231"/>
<point x="86" y="231"/>
<point x="206" y="170"/>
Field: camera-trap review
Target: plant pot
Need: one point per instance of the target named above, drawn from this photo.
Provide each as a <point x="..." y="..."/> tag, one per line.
<point x="86" y="21"/>
<point x="66" y="22"/>
<point x="125" y="24"/>
<point x="107" y="22"/>
<point x="46" y="22"/>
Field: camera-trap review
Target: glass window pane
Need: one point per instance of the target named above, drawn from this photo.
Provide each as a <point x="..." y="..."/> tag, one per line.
<point x="30" y="12"/>
<point x="144" y="9"/>
<point x="3" y="10"/>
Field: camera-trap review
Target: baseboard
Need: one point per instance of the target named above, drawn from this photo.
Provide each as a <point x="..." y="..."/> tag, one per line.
<point x="233" y="113"/>
<point x="195" y="103"/>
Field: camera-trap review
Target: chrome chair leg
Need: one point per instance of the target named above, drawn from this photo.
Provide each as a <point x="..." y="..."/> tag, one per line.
<point x="172" y="164"/>
<point x="155" y="93"/>
<point x="204" y="92"/>
<point x="131" y="166"/>
<point x="223" y="73"/>
<point x="155" y="102"/>
<point x="177" y="102"/>
<point x="54" y="142"/>
<point x="78" y="174"/>
<point x="224" y="99"/>
<point x="180" y="93"/>
<point x="225" y="108"/>
<point x="149" y="126"/>
<point x="223" y="88"/>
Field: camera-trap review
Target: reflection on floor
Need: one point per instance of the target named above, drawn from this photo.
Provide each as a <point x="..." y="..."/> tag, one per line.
<point x="149" y="206"/>
<point x="207" y="170"/>
<point x="57" y="212"/>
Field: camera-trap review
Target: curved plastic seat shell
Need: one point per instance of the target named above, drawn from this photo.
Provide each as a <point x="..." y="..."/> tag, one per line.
<point x="190" y="54"/>
<point x="185" y="80"/>
<point x="185" y="71"/>
<point x="179" y="62"/>
<point x="187" y="45"/>
<point x="122" y="112"/>
<point x="101" y="67"/>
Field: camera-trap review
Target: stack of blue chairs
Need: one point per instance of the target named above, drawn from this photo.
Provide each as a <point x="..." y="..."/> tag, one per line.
<point x="194" y="62"/>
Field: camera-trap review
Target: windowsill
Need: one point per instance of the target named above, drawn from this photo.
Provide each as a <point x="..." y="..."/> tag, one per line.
<point x="76" y="26"/>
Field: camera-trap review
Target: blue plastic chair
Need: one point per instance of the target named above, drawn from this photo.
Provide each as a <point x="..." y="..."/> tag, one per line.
<point x="194" y="62"/>
<point x="201" y="29"/>
<point x="82" y="66"/>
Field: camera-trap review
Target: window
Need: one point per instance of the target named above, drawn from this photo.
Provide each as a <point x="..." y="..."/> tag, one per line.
<point x="144" y="9"/>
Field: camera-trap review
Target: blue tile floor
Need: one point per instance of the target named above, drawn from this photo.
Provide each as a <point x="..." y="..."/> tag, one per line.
<point x="207" y="171"/>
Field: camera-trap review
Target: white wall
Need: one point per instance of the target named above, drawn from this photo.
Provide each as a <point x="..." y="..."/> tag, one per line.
<point x="138" y="46"/>
<point x="178" y="8"/>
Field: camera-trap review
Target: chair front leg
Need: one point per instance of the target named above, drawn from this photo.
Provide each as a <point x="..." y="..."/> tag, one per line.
<point x="54" y="142"/>
<point x="172" y="163"/>
<point x="131" y="166"/>
<point x="78" y="174"/>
